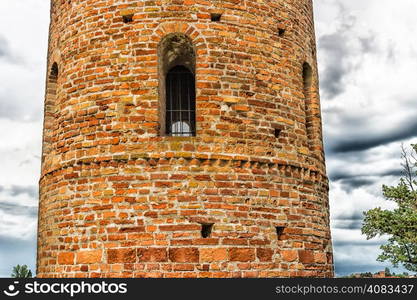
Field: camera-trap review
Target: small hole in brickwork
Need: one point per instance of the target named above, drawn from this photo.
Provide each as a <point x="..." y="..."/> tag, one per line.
<point x="206" y="230"/>
<point x="215" y="17"/>
<point x="128" y="18"/>
<point x="277" y="132"/>
<point x="281" y="32"/>
<point x="280" y="231"/>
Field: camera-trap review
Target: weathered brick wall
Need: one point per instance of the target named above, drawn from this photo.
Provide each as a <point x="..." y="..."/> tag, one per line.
<point x="117" y="199"/>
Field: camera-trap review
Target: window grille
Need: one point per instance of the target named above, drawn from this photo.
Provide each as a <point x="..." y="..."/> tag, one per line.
<point x="180" y="102"/>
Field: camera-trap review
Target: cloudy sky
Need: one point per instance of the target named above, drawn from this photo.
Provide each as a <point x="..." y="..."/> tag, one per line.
<point x="367" y="60"/>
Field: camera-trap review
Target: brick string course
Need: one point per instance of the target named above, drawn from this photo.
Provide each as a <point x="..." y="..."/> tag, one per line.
<point x="118" y="199"/>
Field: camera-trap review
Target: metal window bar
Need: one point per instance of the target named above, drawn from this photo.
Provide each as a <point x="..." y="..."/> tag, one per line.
<point x="180" y="107"/>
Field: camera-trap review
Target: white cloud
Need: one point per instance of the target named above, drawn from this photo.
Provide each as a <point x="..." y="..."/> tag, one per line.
<point x="20" y="152"/>
<point x="23" y="44"/>
<point x="367" y="65"/>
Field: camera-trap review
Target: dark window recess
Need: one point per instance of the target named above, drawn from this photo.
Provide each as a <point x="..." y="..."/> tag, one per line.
<point x="307" y="78"/>
<point x="50" y="104"/>
<point x="54" y="70"/>
<point x="281" y="31"/>
<point x="216" y="17"/>
<point x="206" y="230"/>
<point x="307" y="81"/>
<point x="280" y="231"/>
<point x="180" y="102"/>
<point x="128" y="18"/>
<point x="277" y="132"/>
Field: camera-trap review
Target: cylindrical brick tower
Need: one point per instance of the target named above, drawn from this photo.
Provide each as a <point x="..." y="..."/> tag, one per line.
<point x="182" y="138"/>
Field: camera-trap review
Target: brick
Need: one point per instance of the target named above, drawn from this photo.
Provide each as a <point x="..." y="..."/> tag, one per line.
<point x="179" y="227"/>
<point x="242" y="254"/>
<point x="66" y="258"/>
<point x="320" y="258"/>
<point x="264" y="254"/>
<point x="184" y="255"/>
<point x="152" y="255"/>
<point x="306" y="256"/>
<point x="89" y="257"/>
<point x="213" y="255"/>
<point x="289" y="255"/>
<point x="121" y="256"/>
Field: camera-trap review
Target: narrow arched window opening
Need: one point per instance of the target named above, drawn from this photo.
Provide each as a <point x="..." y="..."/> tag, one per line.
<point x="177" y="88"/>
<point x="49" y="109"/>
<point x="180" y="102"/>
<point x="307" y="77"/>
<point x="307" y="82"/>
<point x="54" y="72"/>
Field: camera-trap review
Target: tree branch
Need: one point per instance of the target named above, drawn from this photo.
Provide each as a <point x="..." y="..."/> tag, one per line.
<point x="410" y="259"/>
<point x="408" y="169"/>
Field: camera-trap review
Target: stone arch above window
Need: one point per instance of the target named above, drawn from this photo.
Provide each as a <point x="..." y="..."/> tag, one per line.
<point x="177" y="64"/>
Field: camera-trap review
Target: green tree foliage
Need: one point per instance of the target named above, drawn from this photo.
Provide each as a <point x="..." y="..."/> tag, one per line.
<point x="21" y="272"/>
<point x="399" y="224"/>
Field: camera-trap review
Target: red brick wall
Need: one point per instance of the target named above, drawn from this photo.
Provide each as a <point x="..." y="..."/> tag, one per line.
<point x="117" y="199"/>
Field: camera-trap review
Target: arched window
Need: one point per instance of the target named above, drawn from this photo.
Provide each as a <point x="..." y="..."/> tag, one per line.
<point x="307" y="81"/>
<point x="54" y="72"/>
<point x="49" y="109"/>
<point x="177" y="88"/>
<point x="180" y="102"/>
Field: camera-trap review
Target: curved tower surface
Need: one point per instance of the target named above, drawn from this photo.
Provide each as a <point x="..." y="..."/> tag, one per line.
<point x="182" y="138"/>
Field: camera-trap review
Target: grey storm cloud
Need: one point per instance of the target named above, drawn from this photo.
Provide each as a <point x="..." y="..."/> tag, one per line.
<point x="8" y="109"/>
<point x="13" y="107"/>
<point x="344" y="175"/>
<point x="32" y="191"/>
<point x="351" y="184"/>
<point x="15" y="103"/>
<point x="351" y="221"/>
<point x="19" y="210"/>
<point x="7" y="54"/>
<point x="16" y="190"/>
<point x="334" y="72"/>
<point x="362" y="140"/>
<point x="10" y="56"/>
<point x="346" y="224"/>
<point x="4" y="47"/>
<point x="351" y="215"/>
<point x="342" y="243"/>
<point x="338" y="54"/>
